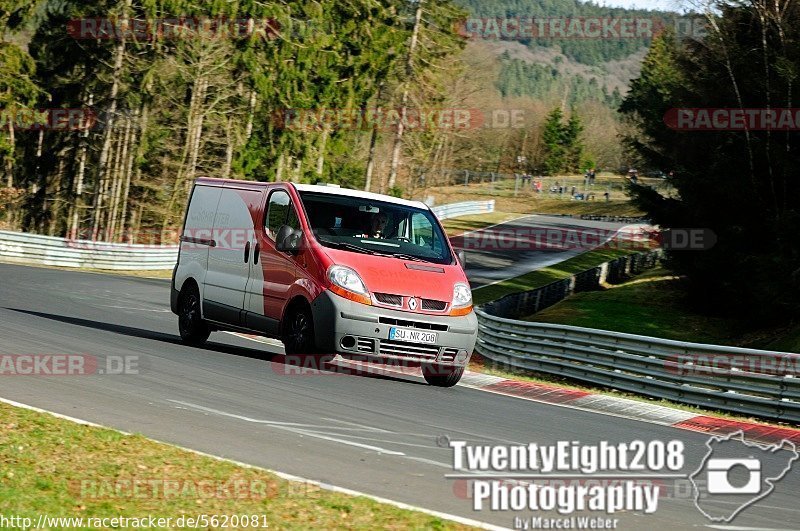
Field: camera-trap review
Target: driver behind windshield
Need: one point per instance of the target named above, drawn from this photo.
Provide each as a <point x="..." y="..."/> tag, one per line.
<point x="377" y="226"/>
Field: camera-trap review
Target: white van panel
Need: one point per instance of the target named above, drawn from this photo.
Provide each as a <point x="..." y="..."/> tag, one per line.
<point x="199" y="225"/>
<point x="228" y="272"/>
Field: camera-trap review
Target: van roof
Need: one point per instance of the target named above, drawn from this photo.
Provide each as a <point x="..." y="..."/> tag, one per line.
<point x="333" y="190"/>
<point x="322" y="189"/>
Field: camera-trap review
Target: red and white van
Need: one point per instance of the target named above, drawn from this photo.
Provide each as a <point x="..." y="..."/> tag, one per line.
<point x="325" y="270"/>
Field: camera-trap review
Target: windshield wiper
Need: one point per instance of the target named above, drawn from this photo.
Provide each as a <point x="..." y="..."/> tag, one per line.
<point x="349" y="247"/>
<point x="355" y="248"/>
<point x="408" y="257"/>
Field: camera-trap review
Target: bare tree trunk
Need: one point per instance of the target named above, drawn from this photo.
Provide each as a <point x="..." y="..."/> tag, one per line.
<point x="114" y="190"/>
<point x="398" y="139"/>
<point x="229" y="141"/>
<point x="78" y="204"/>
<point x="58" y="199"/>
<point x="373" y="140"/>
<point x="251" y="115"/>
<point x="297" y="171"/>
<point x="41" y="181"/>
<point x="279" y="170"/>
<point x="10" y="159"/>
<point x="102" y="167"/>
<point x="128" y="173"/>
<point x="323" y="143"/>
<point x="137" y="225"/>
<point x="198" y="133"/>
<point x="187" y="151"/>
<point x="138" y="125"/>
<point x="120" y="172"/>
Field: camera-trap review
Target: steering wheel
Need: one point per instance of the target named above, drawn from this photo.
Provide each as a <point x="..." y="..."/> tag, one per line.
<point x="402" y="238"/>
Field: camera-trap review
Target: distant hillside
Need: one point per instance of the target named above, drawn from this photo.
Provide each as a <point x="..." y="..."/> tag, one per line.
<point x="588" y="51"/>
<point x="571" y="70"/>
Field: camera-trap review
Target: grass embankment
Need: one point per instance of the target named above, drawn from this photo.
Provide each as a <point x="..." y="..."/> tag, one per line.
<point x="527" y="201"/>
<point x="459" y="225"/>
<point x="62" y="469"/>
<point x="546" y="275"/>
<point x="654" y="304"/>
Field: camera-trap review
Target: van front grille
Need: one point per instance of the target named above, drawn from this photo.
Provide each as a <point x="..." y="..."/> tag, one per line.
<point x="409" y="350"/>
<point x="364" y="344"/>
<point x="421" y="325"/>
<point x="391" y="300"/>
<point x="433" y="305"/>
<point x="449" y="354"/>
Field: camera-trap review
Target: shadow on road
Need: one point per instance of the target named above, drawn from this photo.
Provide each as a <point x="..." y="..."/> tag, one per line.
<point x="296" y="365"/>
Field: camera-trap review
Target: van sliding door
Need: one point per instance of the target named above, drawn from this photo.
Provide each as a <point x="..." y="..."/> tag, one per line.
<point x="230" y="258"/>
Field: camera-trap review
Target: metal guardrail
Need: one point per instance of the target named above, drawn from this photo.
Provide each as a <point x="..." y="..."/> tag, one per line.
<point x="739" y="380"/>
<point x="525" y="303"/>
<point x="465" y="208"/>
<point x="47" y="250"/>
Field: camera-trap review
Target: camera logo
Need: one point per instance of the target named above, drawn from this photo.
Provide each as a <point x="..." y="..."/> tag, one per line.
<point x="719" y="482"/>
<point x="735" y="474"/>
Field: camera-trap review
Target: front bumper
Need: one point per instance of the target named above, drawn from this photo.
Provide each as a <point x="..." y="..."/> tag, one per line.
<point x="336" y="317"/>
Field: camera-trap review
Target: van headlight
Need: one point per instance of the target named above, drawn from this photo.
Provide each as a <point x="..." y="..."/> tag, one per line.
<point x="347" y="283"/>
<point x="462" y="299"/>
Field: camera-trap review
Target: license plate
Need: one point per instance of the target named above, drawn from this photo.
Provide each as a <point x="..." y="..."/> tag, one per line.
<point x="412" y="336"/>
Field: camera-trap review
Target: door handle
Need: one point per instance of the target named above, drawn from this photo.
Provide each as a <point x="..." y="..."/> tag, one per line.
<point x="247" y="252"/>
<point x="256" y="253"/>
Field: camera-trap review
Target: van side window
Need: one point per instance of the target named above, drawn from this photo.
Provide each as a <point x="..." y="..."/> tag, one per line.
<point x="293" y="221"/>
<point x="422" y="233"/>
<point x="279" y="212"/>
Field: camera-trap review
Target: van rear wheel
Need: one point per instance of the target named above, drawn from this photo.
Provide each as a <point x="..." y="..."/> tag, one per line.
<point x="441" y="375"/>
<point x="194" y="330"/>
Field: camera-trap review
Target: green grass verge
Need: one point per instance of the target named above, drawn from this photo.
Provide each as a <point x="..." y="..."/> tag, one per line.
<point x="62" y="469"/>
<point x="654" y="304"/>
<point x="459" y="225"/>
<point x="544" y="276"/>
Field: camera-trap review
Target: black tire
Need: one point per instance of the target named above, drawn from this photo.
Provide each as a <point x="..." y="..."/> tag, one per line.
<point x="298" y="331"/>
<point x="193" y="329"/>
<point x="441" y="375"/>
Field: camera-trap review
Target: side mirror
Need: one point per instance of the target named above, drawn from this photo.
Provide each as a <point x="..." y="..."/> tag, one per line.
<point x="462" y="258"/>
<point x="288" y="240"/>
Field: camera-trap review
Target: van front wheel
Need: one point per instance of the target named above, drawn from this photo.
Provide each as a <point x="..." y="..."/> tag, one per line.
<point x="194" y="330"/>
<point x="441" y="375"/>
<point x="298" y="331"/>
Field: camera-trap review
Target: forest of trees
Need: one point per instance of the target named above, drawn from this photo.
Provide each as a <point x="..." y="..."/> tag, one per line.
<point x="561" y="143"/>
<point x="170" y="90"/>
<point x="519" y="78"/>
<point x="169" y="105"/>
<point x="742" y="184"/>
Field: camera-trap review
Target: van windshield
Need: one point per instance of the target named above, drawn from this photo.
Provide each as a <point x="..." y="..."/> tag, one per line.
<point x="376" y="227"/>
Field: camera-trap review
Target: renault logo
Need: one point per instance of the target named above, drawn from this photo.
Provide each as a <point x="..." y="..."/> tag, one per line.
<point x="412" y="303"/>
